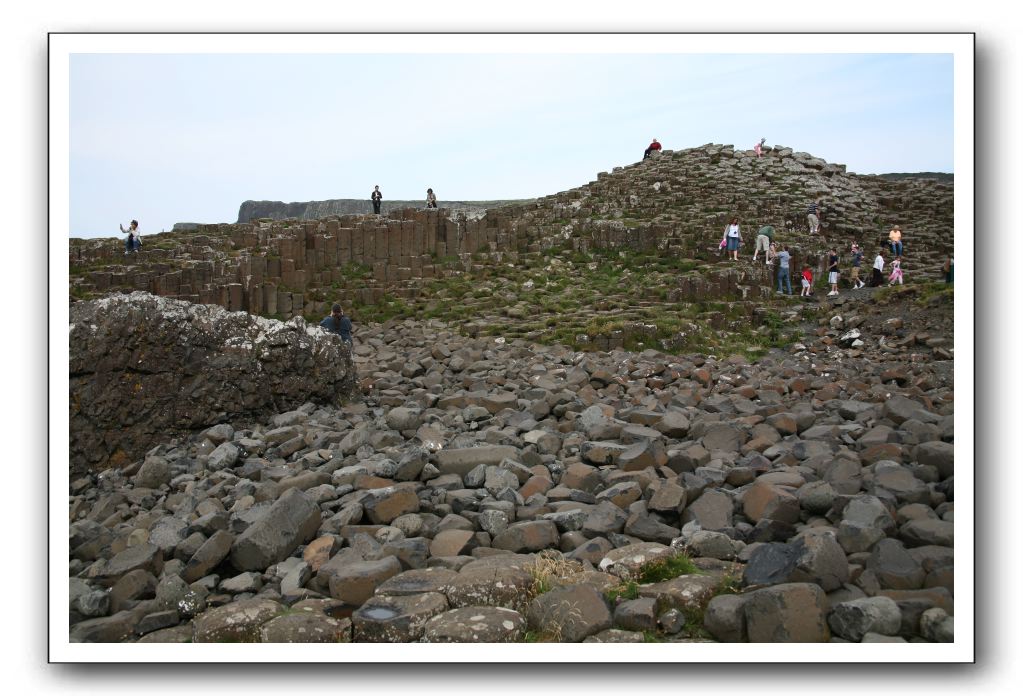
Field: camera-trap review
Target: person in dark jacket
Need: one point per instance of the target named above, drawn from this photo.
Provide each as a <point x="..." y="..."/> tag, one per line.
<point x="338" y="323"/>
<point x="376" y="197"/>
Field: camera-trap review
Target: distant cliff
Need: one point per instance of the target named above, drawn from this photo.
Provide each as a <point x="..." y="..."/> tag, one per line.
<point x="314" y="210"/>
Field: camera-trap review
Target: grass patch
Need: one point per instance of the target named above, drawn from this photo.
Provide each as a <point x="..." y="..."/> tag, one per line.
<point x="626" y="590"/>
<point x="666" y="568"/>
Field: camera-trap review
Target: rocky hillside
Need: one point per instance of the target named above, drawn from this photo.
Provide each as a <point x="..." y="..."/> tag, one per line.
<point x="500" y="490"/>
<point x="315" y="210"/>
<point x="629" y="259"/>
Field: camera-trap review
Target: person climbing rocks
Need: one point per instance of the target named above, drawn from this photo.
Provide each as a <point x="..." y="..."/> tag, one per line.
<point x="857" y="260"/>
<point x="813" y="216"/>
<point x="783" y="269"/>
<point x="833" y="272"/>
<point x="653" y="146"/>
<point x="807" y="282"/>
<point x="764" y="237"/>
<point x="733" y="238"/>
<point x="895" y="241"/>
<point x="431" y="199"/>
<point x="759" y="148"/>
<point x="134" y="240"/>
<point x="876" y="279"/>
<point x="896" y="275"/>
<point x="338" y="323"/>
<point x="376" y="197"/>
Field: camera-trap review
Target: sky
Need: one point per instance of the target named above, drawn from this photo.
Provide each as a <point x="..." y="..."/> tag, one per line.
<point x="166" y="138"/>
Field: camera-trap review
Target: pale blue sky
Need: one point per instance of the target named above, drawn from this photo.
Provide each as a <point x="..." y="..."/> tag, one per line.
<point x="168" y="138"/>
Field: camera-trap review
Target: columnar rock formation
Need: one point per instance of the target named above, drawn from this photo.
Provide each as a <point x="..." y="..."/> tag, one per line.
<point x="251" y="211"/>
<point x="676" y="204"/>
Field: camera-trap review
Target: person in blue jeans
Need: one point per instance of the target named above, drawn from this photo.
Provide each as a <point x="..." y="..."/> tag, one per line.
<point x="783" y="269"/>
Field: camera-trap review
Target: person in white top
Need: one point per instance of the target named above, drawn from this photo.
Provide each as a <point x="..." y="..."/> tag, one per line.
<point x="733" y="238"/>
<point x="877" y="279"/>
<point x="134" y="239"/>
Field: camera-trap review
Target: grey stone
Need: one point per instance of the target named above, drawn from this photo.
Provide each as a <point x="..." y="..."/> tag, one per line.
<point x="787" y="613"/>
<point x="480" y="624"/>
<point x="292" y="520"/>
<point x="569" y="614"/>
<point x="853" y="619"/>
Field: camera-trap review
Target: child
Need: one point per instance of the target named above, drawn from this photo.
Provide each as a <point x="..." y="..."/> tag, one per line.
<point x="896" y="274"/>
<point x="807" y="282"/>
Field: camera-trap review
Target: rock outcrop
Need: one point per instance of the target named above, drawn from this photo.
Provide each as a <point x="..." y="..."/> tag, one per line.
<point x="145" y="368"/>
<point x="314" y="210"/>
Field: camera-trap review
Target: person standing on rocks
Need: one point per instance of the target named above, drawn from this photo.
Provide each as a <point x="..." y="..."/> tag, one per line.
<point x="895" y="241"/>
<point x="833" y="272"/>
<point x="759" y="148"/>
<point x="764" y="236"/>
<point x="876" y="279"/>
<point x="338" y="323"/>
<point x="812" y="217"/>
<point x="650" y="148"/>
<point x="134" y="240"/>
<point x="948" y="268"/>
<point x="733" y="238"/>
<point x="783" y="269"/>
<point x="857" y="259"/>
<point x="431" y="198"/>
<point x="376" y="197"/>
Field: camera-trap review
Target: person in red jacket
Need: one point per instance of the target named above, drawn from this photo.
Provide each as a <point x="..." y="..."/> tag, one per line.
<point x="653" y="146"/>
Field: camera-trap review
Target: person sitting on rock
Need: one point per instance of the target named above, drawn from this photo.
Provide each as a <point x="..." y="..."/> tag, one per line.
<point x="431" y="198"/>
<point x="653" y="146"/>
<point x="134" y="240"/>
<point x="895" y="241"/>
<point x="338" y="323"/>
<point x="764" y="236"/>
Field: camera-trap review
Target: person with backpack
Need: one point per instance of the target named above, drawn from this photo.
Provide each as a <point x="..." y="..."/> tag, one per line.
<point x="338" y="323"/>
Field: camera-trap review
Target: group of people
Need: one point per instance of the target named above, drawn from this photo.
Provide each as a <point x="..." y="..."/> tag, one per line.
<point x="376" y="197"/>
<point x="731" y="240"/>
